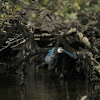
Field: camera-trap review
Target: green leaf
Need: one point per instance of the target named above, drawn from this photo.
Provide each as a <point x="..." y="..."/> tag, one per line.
<point x="18" y="7"/>
<point x="33" y="16"/>
<point x="27" y="2"/>
<point x="72" y="16"/>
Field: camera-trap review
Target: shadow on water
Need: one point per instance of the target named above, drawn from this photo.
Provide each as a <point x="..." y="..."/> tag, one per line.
<point x="42" y="85"/>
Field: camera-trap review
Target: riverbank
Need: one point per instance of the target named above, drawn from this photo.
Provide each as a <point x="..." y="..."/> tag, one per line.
<point x="31" y="46"/>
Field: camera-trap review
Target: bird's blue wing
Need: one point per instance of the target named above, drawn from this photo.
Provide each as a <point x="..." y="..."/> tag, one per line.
<point x="71" y="55"/>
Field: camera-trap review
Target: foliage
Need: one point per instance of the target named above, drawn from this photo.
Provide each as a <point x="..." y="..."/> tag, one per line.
<point x="68" y="9"/>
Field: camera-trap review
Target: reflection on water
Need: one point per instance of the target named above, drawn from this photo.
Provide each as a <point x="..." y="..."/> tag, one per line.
<point x="9" y="90"/>
<point x="42" y="86"/>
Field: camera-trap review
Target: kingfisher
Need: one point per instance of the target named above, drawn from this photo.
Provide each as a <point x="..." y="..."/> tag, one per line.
<point x="49" y="58"/>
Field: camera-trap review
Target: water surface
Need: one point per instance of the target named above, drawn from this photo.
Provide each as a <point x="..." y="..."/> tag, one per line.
<point x="42" y="85"/>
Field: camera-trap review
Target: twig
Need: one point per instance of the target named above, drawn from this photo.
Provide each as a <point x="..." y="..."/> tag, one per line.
<point x="20" y="43"/>
<point x="4" y="47"/>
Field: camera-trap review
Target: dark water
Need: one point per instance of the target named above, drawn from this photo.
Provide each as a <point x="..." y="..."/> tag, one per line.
<point x="42" y="86"/>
